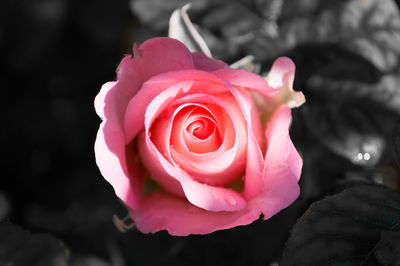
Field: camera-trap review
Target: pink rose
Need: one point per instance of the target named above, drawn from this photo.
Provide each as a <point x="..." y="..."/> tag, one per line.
<point x="190" y="124"/>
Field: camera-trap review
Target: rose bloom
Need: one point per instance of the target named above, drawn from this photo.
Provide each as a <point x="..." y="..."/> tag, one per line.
<point x="183" y="144"/>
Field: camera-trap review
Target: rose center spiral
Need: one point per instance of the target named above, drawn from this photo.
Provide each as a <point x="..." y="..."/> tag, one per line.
<point x="201" y="133"/>
<point x="201" y="128"/>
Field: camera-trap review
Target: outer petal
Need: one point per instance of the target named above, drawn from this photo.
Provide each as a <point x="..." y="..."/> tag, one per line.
<point x="159" y="55"/>
<point x="110" y="148"/>
<point x="281" y="73"/>
<point x="282" y="166"/>
<point x="253" y="180"/>
<point x="203" y="62"/>
<point x="281" y="78"/>
<point x="179" y="217"/>
<point x="243" y="78"/>
<point x="112" y="101"/>
<point x="110" y="157"/>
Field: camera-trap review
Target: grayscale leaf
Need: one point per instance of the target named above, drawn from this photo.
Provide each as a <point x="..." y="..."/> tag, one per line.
<point x="182" y="29"/>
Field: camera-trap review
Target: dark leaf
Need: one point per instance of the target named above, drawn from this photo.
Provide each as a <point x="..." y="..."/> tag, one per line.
<point x="296" y="8"/>
<point x="224" y="18"/>
<point x="219" y="24"/>
<point x="267" y="29"/>
<point x="387" y="251"/>
<point x="156" y="13"/>
<point x="20" y="248"/>
<point x="369" y="28"/>
<point x="350" y="117"/>
<point x="345" y="228"/>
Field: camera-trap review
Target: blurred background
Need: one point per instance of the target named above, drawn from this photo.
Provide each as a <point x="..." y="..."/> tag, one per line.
<point x="56" y="54"/>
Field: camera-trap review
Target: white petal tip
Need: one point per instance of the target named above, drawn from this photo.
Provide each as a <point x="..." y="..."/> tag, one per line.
<point x="295" y="99"/>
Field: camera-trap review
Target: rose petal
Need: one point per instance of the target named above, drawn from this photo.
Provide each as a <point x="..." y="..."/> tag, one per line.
<point x="198" y="130"/>
<point x="210" y="198"/>
<point x="155" y="215"/>
<point x="111" y="160"/>
<point x="281" y="78"/>
<point x="281" y="191"/>
<point x="110" y="149"/>
<point x="294" y="160"/>
<point x="225" y="164"/>
<point x="162" y="127"/>
<point x="153" y="51"/>
<point x="246" y="79"/>
<point x="99" y="102"/>
<point x="149" y="156"/>
<point x="134" y="116"/>
<point x="253" y="179"/>
<point x="281" y="73"/>
<point x="282" y="167"/>
<point x="203" y="62"/>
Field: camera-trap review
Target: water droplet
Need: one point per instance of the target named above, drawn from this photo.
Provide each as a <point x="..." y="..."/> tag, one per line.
<point x="230" y="200"/>
<point x="149" y="134"/>
<point x="359" y="156"/>
<point x="367" y="156"/>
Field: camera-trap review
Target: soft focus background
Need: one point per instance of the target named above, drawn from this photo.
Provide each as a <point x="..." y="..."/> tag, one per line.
<point x="56" y="54"/>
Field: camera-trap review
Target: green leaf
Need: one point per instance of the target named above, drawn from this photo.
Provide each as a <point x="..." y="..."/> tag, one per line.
<point x="20" y="248"/>
<point x="348" y="228"/>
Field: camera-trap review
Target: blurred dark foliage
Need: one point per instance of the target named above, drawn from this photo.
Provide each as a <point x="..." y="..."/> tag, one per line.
<point x="56" y="54"/>
<point x="354" y="227"/>
<point x="19" y="248"/>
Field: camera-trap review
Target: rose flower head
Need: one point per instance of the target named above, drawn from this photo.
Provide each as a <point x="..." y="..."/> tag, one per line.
<point x="183" y="144"/>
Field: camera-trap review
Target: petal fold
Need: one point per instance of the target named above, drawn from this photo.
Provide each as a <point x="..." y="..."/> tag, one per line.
<point x="160" y="211"/>
<point x="282" y="166"/>
<point x="281" y="78"/>
<point x="254" y="166"/>
<point x="246" y="79"/>
<point x="203" y="62"/>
